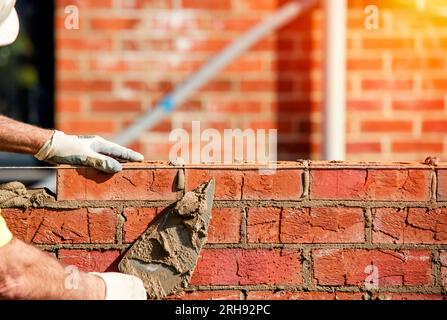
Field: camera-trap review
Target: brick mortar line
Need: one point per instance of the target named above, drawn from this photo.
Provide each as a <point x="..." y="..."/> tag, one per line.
<point x="75" y="204"/>
<point x="387" y="289"/>
<point x="306" y="181"/>
<point x="244" y="226"/>
<point x="368" y="226"/>
<point x="254" y="246"/>
<point x="121" y="219"/>
<point x="263" y="287"/>
<point x="436" y="179"/>
<point x="434" y="186"/>
<point x="328" y="289"/>
<point x="82" y="246"/>
<point x="307" y="270"/>
<point x="328" y="246"/>
<point x="436" y="268"/>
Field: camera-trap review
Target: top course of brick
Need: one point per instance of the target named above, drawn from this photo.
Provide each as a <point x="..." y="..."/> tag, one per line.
<point x="290" y="181"/>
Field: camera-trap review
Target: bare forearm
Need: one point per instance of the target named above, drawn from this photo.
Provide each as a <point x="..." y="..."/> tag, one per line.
<point x="28" y="273"/>
<point x="19" y="137"/>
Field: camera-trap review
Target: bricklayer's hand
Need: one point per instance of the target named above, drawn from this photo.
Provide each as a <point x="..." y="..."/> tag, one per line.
<point x="90" y="151"/>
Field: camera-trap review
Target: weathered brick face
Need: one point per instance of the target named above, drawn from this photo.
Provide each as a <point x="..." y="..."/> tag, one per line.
<point x="312" y="230"/>
<point x="128" y="54"/>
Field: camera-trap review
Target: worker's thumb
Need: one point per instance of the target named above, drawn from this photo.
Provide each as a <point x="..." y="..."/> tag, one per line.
<point x="120" y="286"/>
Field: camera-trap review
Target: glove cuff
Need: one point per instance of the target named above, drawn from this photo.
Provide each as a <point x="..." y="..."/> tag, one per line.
<point x="5" y="234"/>
<point x="45" y="152"/>
<point x="124" y="287"/>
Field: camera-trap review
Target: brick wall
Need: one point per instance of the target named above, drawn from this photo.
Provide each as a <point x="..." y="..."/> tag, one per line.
<point x="129" y="53"/>
<point x="310" y="231"/>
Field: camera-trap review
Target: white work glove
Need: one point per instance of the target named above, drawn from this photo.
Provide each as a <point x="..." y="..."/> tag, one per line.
<point x="120" y="286"/>
<point x="90" y="151"/>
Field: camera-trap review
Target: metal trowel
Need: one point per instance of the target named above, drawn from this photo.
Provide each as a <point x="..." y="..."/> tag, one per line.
<point x="165" y="255"/>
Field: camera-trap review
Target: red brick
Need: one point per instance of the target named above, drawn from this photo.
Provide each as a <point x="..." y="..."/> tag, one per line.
<point x="71" y="184"/>
<point x="101" y="225"/>
<point x="90" y="261"/>
<point x="23" y="223"/>
<point x="299" y="295"/>
<point x="415" y="225"/>
<point x="408" y="296"/>
<point x="349" y="296"/>
<point x="439" y="84"/>
<point x="130" y="184"/>
<point x="243" y="65"/>
<point x="207" y="295"/>
<point x="218" y="85"/>
<point x="263" y="225"/>
<point x="364" y="64"/>
<point x="235" y="107"/>
<point x="418" y="105"/>
<point x="214" y="5"/>
<point x="442" y="185"/>
<point x="113" y="23"/>
<point x="247" y="267"/>
<point x="435" y="43"/>
<point x="232" y="23"/>
<point x="282" y="185"/>
<point x="69" y="105"/>
<point x="228" y="182"/>
<point x="380" y="85"/>
<point x="417" y="146"/>
<point x="322" y="225"/>
<point x="115" y="106"/>
<point x="257" y="5"/>
<point x="387" y="43"/>
<point x="387" y="126"/>
<point x="64" y="44"/>
<point x="364" y="147"/>
<point x="395" y="268"/>
<point x="225" y="225"/>
<point x="79" y="85"/>
<point x="141" y="4"/>
<point x="364" y="105"/>
<point x="68" y="65"/>
<point x="418" y="64"/>
<point x="47" y="226"/>
<point x="392" y="185"/>
<point x="86" y="126"/>
<point x="86" y="4"/>
<point x="137" y="220"/>
<point x="443" y="261"/>
<point x="438" y="126"/>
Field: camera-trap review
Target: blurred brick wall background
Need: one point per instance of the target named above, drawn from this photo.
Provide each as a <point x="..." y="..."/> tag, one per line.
<point x="129" y="53"/>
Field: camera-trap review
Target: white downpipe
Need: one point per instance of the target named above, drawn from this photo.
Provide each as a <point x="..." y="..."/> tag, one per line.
<point x="335" y="80"/>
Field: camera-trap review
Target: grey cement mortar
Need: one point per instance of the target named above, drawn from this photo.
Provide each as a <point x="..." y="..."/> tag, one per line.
<point x="49" y="202"/>
<point x="15" y="195"/>
<point x="165" y="256"/>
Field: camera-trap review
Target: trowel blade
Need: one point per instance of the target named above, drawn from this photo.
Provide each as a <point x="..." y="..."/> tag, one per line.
<point x="165" y="255"/>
